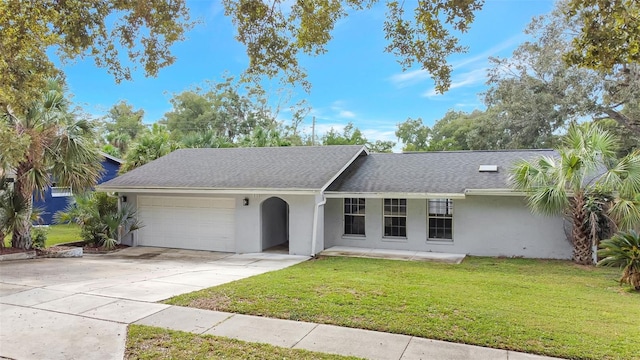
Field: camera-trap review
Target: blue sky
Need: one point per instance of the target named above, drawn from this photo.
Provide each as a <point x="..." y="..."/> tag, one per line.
<point x="355" y="81"/>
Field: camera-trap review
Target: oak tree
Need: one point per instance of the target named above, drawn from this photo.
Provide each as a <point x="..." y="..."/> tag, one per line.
<point x="109" y="31"/>
<point x="424" y="33"/>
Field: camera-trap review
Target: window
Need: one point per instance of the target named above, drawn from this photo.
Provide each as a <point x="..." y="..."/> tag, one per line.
<point x="354" y="209"/>
<point x="395" y="217"/>
<point x="441" y="219"/>
<point x="58" y="191"/>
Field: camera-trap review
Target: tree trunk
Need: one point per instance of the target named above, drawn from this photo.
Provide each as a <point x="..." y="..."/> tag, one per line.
<point x="21" y="237"/>
<point x="633" y="126"/>
<point x="582" y="247"/>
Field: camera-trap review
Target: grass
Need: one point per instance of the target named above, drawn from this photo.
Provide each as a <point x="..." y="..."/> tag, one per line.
<point x="57" y="234"/>
<point x="147" y="342"/>
<point x="551" y="308"/>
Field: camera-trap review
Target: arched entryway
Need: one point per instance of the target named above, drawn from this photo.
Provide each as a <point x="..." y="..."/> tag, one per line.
<point x="275" y="225"/>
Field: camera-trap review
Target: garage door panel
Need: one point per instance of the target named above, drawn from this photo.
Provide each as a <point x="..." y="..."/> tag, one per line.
<point x="190" y="223"/>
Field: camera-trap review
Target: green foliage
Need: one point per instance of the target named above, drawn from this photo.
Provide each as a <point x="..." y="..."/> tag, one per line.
<point x="98" y="215"/>
<point x="275" y="35"/>
<point x="223" y="109"/>
<point x="583" y="175"/>
<point x="14" y="147"/>
<point x="122" y="125"/>
<point x="623" y="251"/>
<point x="598" y="222"/>
<point x="14" y="210"/>
<point x="39" y="237"/>
<point x="111" y="150"/>
<point x="207" y="139"/>
<point x="607" y="33"/>
<point x="534" y="306"/>
<point x="60" y="146"/>
<point x="351" y="135"/>
<point x="414" y="135"/>
<point x="265" y="137"/>
<point x="610" y="33"/>
<point x="628" y="141"/>
<point x="535" y="93"/>
<point x="104" y="30"/>
<point x="148" y="147"/>
<point x="380" y="146"/>
<point x="458" y="130"/>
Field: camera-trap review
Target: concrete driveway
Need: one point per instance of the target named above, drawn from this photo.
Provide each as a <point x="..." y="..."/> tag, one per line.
<point x="79" y="308"/>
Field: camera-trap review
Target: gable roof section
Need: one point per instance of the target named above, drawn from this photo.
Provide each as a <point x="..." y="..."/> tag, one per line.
<point x="276" y="168"/>
<point x="443" y="172"/>
<point x="111" y="158"/>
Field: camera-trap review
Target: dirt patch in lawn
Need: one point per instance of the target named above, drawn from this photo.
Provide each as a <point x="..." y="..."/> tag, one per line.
<point x="10" y="250"/>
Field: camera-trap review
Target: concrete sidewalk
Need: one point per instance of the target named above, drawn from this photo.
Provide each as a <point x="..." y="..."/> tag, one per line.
<point x="350" y="251"/>
<point x="322" y="338"/>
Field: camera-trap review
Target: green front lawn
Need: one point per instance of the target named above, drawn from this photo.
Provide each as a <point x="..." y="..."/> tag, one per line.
<point x="546" y="307"/>
<point x="57" y="234"/>
<point x="146" y="342"/>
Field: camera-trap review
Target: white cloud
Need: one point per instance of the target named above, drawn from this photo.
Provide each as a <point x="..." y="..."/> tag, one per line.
<point x="338" y="107"/>
<point x="467" y="79"/>
<point x="216" y="9"/>
<point x="346" y="114"/>
<point x="483" y="57"/>
<point x="475" y="105"/>
<point x="409" y="78"/>
<point x="413" y="77"/>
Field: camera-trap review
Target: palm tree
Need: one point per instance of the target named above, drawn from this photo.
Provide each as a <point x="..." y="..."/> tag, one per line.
<point x="206" y="139"/>
<point x="148" y="147"/>
<point x="586" y="168"/>
<point x="60" y="147"/>
<point x="103" y="222"/>
<point x="623" y="251"/>
<point x="264" y="137"/>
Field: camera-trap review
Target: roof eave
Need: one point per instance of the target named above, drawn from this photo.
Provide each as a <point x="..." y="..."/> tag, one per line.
<point x="394" y="194"/>
<point x="112" y="158"/>
<point x="202" y="190"/>
<point x="494" y="192"/>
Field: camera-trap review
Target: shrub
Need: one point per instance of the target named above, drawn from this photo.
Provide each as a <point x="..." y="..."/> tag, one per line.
<point x="39" y="237"/>
<point x="101" y="222"/>
<point x="623" y="250"/>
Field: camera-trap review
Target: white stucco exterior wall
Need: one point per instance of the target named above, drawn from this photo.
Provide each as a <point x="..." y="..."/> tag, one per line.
<point x="248" y="221"/>
<point x="482" y="225"/>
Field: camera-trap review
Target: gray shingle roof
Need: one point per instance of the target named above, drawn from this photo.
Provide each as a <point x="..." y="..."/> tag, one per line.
<point x="300" y="168"/>
<point x="450" y="172"/>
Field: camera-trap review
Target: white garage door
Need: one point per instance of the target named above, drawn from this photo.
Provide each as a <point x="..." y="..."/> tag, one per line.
<point x="187" y="223"/>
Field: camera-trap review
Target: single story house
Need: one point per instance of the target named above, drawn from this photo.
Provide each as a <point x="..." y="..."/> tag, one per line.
<point x="311" y="198"/>
<point x="56" y="197"/>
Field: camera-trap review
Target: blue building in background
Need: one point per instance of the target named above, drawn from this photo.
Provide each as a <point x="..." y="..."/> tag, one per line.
<point x="56" y="198"/>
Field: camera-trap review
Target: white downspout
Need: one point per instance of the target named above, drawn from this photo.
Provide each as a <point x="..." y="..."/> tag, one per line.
<point x="314" y="235"/>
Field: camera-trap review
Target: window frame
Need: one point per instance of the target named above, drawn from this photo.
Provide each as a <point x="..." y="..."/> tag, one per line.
<point x="361" y="212"/>
<point x="396" y="216"/>
<point x="447" y="216"/>
<point x="61" y="191"/>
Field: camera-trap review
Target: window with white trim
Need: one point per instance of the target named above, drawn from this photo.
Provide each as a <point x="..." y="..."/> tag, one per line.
<point x="440" y="219"/>
<point x="354" y="212"/>
<point x="61" y="191"/>
<point x="395" y="218"/>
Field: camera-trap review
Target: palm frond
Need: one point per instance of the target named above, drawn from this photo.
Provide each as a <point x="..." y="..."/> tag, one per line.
<point x="626" y="212"/>
<point x="623" y="251"/>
